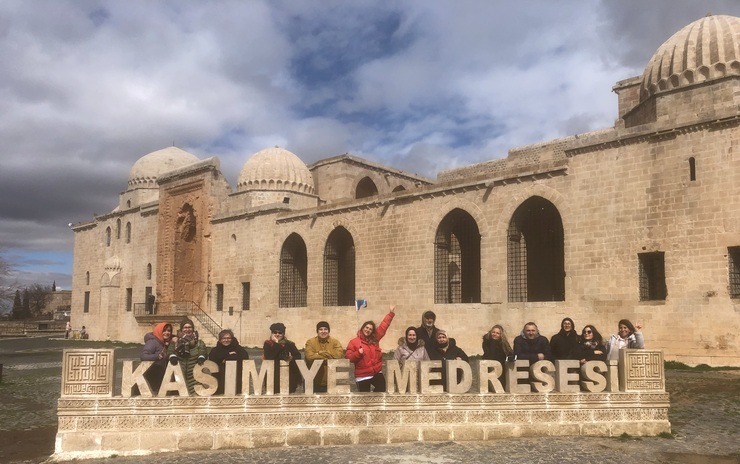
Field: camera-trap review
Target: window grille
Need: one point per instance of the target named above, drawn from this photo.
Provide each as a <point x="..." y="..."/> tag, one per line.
<point x="219" y="297"/>
<point x="293" y="273"/>
<point x="733" y="256"/>
<point x="652" y="276"/>
<point x="516" y="264"/>
<point x="339" y="269"/>
<point x="245" y="296"/>
<point x="457" y="259"/>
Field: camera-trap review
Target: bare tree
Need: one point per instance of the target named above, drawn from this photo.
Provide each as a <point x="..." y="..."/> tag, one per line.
<point x="38" y="297"/>
<point x="7" y="289"/>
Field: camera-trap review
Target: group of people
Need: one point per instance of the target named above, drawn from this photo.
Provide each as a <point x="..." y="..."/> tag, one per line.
<point x="422" y="343"/>
<point x="566" y="344"/>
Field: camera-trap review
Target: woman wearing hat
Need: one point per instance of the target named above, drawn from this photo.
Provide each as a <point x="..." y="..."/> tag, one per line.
<point x="278" y="348"/>
<point x="188" y="351"/>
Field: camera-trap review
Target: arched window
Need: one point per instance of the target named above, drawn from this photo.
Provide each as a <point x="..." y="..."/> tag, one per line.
<point x="128" y="232"/>
<point x="366" y="188"/>
<point x="107" y="236"/>
<point x="149" y="271"/>
<point x="399" y="188"/>
<point x="339" y="269"/>
<point x="118" y="229"/>
<point x="535" y="254"/>
<point x="293" y="273"/>
<point x="692" y="169"/>
<point x="128" y="203"/>
<point x="457" y="259"/>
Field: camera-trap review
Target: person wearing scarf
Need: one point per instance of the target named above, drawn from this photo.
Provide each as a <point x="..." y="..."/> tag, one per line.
<point x="364" y="352"/>
<point x="228" y="349"/>
<point x="629" y="336"/>
<point x="446" y="349"/>
<point x="188" y="351"/>
<point x="564" y="343"/>
<point x="592" y="346"/>
<point x="410" y="348"/>
<point x="278" y="348"/>
<point x="155" y="349"/>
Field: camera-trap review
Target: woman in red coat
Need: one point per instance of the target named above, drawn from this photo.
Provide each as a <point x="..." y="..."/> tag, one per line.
<point x="364" y="352"/>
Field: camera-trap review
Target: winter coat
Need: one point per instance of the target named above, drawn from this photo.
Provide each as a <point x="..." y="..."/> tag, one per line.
<point x="634" y="341"/>
<point x="370" y="362"/>
<point x="220" y="354"/>
<point x="452" y="353"/>
<point x="322" y="349"/>
<point x="405" y="353"/>
<point x="525" y="348"/>
<point x="155" y="349"/>
<point x="584" y="351"/>
<point x="282" y="352"/>
<point x="494" y="350"/>
<point x="564" y="344"/>
<point x="430" y="340"/>
<point x="197" y="354"/>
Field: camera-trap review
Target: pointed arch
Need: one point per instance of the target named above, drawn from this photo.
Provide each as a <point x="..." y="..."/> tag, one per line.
<point x="107" y="236"/>
<point x="535" y="252"/>
<point x="339" y="268"/>
<point x="457" y="259"/>
<point x="366" y="188"/>
<point x="128" y="232"/>
<point x="293" y="286"/>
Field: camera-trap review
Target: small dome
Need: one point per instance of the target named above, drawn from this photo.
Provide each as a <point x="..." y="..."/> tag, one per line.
<point x="275" y="169"/>
<point x="705" y="50"/>
<point x="149" y="167"/>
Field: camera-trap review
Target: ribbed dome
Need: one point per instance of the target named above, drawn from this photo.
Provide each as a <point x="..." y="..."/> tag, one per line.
<point x="149" y="167"/>
<point x="275" y="169"/>
<point x="704" y="50"/>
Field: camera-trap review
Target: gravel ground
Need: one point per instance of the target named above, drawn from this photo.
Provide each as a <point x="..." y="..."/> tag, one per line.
<point x="704" y="414"/>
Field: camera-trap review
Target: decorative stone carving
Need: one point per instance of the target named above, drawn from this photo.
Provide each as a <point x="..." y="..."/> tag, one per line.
<point x="641" y="370"/>
<point x="87" y="372"/>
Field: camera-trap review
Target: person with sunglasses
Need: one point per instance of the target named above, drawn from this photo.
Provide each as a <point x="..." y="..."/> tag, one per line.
<point x="278" y="348"/>
<point x="591" y="347"/>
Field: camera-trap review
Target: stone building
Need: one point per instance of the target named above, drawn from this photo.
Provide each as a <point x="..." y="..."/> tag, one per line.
<point x="638" y="221"/>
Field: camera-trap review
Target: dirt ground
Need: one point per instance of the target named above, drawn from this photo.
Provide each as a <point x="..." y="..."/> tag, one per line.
<point x="704" y="414"/>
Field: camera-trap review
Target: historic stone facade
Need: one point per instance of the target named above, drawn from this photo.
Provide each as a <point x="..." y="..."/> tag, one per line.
<point x="637" y="221"/>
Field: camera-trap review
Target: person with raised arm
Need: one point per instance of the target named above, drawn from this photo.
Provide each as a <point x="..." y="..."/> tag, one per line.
<point x="364" y="352"/>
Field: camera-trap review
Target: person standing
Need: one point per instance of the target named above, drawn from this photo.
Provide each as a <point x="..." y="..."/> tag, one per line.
<point x="592" y="346"/>
<point x="155" y="349"/>
<point x="427" y="331"/>
<point x="565" y="343"/>
<point x="628" y="336"/>
<point x="228" y="349"/>
<point x="322" y="347"/>
<point x="364" y="352"/>
<point x="67" y="329"/>
<point x="278" y="348"/>
<point x="188" y="351"/>
<point x="496" y="345"/>
<point x="446" y="350"/>
<point x="531" y="345"/>
<point x="410" y="348"/>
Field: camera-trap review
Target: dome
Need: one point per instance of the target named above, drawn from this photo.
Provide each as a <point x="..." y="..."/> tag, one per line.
<point x="705" y="50"/>
<point x="149" y="167"/>
<point x="275" y="169"/>
<point x="113" y="265"/>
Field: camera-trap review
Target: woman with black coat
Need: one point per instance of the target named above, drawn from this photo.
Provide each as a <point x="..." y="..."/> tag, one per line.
<point x="228" y="349"/>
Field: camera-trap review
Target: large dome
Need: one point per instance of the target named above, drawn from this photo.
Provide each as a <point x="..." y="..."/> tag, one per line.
<point x="275" y="169"/>
<point x="705" y="50"/>
<point x="149" y="167"/>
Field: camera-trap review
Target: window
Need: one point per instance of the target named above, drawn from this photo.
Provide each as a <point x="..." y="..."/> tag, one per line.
<point x="107" y="236"/>
<point x="149" y="300"/>
<point x="87" y="278"/>
<point x="219" y="297"/>
<point x="692" y="169"/>
<point x="129" y="299"/>
<point x="128" y="232"/>
<point x="118" y="229"/>
<point x="733" y="257"/>
<point x="535" y="253"/>
<point x="86" y="307"/>
<point x="366" y="188"/>
<point x="339" y="269"/>
<point x="652" y="276"/>
<point x="245" y="296"/>
<point x="128" y="203"/>
<point x="149" y="271"/>
<point x="293" y="273"/>
<point x="457" y="259"/>
<point x="399" y="188"/>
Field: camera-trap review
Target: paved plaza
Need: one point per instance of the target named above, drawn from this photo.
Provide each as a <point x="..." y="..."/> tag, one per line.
<point x="705" y="417"/>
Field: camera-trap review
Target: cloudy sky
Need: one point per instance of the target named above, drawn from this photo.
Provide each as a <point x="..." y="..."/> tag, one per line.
<point x="88" y="87"/>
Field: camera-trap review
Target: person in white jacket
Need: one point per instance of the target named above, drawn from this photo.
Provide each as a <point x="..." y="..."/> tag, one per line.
<point x="628" y="336"/>
<point x="411" y="348"/>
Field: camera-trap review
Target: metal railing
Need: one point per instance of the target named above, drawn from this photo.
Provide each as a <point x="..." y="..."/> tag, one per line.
<point x="177" y="309"/>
